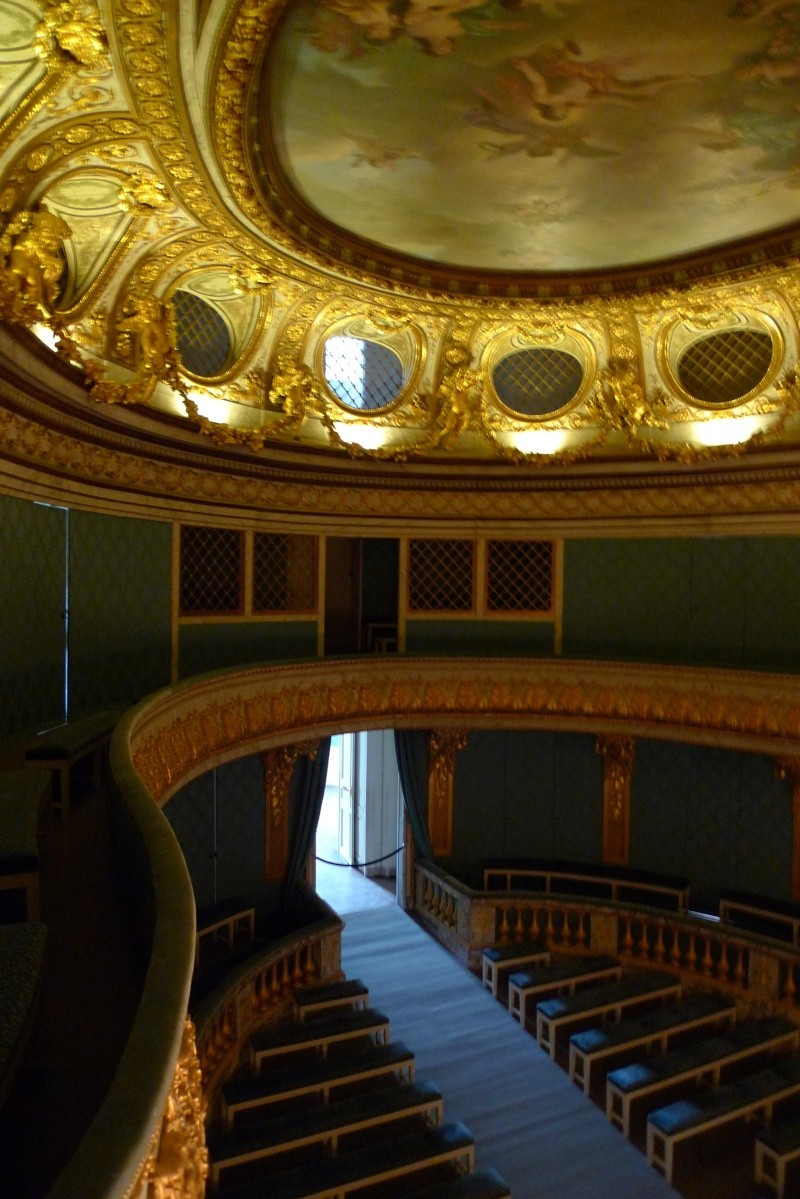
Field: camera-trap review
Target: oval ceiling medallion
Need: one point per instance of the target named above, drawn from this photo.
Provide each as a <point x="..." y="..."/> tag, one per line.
<point x="724" y="367"/>
<point x="364" y="375"/>
<point x="537" y="382"/>
<point x="542" y="136"/>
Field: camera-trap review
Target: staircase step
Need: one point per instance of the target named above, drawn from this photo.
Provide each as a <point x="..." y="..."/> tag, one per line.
<point x="323" y="1125"/>
<point x="362" y="1167"/>
<point x="317" y="1078"/>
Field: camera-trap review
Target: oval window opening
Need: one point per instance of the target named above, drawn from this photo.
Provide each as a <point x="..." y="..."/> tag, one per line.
<point x="537" y="382"/>
<point x="723" y="367"/>
<point x="363" y="375"/>
<point x="204" y="340"/>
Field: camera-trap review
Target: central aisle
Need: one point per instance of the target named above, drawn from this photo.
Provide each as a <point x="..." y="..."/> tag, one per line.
<point x="528" y="1119"/>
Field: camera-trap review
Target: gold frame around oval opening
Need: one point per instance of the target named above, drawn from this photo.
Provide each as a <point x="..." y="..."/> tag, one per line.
<point x="339" y="328"/>
<point x="497" y="350"/>
<point x="753" y="319"/>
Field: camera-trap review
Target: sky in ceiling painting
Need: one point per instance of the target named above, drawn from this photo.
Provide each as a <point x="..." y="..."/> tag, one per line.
<point x="541" y="134"/>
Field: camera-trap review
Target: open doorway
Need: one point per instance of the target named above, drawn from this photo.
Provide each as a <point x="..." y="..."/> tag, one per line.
<point x="360" y="823"/>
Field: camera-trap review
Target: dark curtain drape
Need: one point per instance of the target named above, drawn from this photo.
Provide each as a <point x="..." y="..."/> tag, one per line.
<point x="411" y="747"/>
<point x="305" y="801"/>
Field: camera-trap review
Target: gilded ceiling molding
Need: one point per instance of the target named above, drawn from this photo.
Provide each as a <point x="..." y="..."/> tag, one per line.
<point x="200" y="724"/>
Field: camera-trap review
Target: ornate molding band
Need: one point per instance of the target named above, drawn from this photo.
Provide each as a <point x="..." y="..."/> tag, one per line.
<point x="197" y="725"/>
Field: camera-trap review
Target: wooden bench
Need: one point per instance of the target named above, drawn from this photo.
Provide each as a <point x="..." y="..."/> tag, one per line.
<point x="776" y="1148"/>
<point x="653" y="1030"/>
<point x="609" y="1001"/>
<point x="506" y="957"/>
<point x="483" y="1184"/>
<point x="60" y="748"/>
<point x="778" y="918"/>
<point x="21" y="961"/>
<point x="225" y="917"/>
<point x="701" y="1062"/>
<point x="327" y="997"/>
<point x="324" y="1126"/>
<point x="563" y="977"/>
<point x="580" y="878"/>
<point x="318" y="1035"/>
<point x="24" y="794"/>
<point x="341" y="1176"/>
<point x="317" y="1079"/>
<point x="755" y="1095"/>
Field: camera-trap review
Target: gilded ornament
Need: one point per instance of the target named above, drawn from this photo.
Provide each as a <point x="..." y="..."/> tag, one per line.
<point x="73" y="32"/>
<point x="31" y="265"/>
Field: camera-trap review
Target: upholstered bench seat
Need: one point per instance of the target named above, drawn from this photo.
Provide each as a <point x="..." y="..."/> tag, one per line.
<point x="350" y="992"/>
<point x="23" y="796"/>
<point x="776" y="1148"/>
<point x="318" y="1078"/>
<point x="60" y="748"/>
<point x="755" y="1095"/>
<point x="505" y="957"/>
<point x="701" y="1062"/>
<point x="612" y="1000"/>
<point x="483" y="1184"/>
<point x="339" y="1176"/>
<point x="565" y="975"/>
<point x="650" y="1030"/>
<point x="324" y="1126"/>
<point x="21" y="959"/>
<point x="318" y="1035"/>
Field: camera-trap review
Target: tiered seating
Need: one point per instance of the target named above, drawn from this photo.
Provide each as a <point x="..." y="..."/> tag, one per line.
<point x="595" y="1046"/>
<point x="779" y="918"/>
<point x="23" y="796"/>
<point x="755" y="1095"/>
<point x="562" y="977"/>
<point x="332" y="1107"/>
<point x="701" y="1061"/>
<point x="60" y="748"/>
<point x="606" y="1002"/>
<point x="498" y="958"/>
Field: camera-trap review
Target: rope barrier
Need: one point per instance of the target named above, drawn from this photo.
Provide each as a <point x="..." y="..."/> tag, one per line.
<point x="358" y="865"/>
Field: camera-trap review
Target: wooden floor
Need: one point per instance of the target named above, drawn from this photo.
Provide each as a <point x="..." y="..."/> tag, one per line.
<point x="528" y="1119"/>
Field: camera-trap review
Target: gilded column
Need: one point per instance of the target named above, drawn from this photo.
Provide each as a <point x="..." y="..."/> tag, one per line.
<point x="789" y="768"/>
<point x="618" y="754"/>
<point x="443" y="745"/>
<point x="278" y="765"/>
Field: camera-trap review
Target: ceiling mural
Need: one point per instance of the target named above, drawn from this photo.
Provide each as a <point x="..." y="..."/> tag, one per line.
<point x="540" y="135"/>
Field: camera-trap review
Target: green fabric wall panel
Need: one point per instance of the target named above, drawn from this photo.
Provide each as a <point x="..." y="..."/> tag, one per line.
<point x="626" y="598"/>
<point x="204" y="647"/>
<point x="191" y="814"/>
<point x="529" y="793"/>
<point x="119" y="627"/>
<point x="32" y="634"/>
<point x="578" y="800"/>
<point x="716" y="628"/>
<point x="719" y="817"/>
<point x="771" y="596"/>
<point x="479" y="800"/>
<point x="501" y="638"/>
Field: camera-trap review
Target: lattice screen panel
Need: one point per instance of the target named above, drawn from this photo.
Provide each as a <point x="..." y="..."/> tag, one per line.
<point x="204" y="341"/>
<point x="440" y="576"/>
<point x="364" y="374"/>
<point x="284" y="573"/>
<point x="211" y="561"/>
<point x="520" y="576"/>
<point x="537" y="381"/>
<point x="725" y="366"/>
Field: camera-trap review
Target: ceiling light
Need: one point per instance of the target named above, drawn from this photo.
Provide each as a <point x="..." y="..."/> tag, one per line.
<point x="369" y="437"/>
<point x="728" y="430"/>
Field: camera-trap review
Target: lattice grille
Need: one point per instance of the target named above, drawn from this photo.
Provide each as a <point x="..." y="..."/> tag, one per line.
<point x="725" y="366"/>
<point x="520" y="576"/>
<point x="363" y="374"/>
<point x="538" y="381"/>
<point x="210" y="570"/>
<point x="440" y="576"/>
<point x="284" y="573"/>
<point x="204" y="341"/>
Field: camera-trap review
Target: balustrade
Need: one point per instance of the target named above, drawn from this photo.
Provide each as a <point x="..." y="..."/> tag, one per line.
<point x="761" y="973"/>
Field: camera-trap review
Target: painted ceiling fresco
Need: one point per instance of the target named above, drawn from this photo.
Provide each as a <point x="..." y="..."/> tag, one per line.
<point x="541" y="134"/>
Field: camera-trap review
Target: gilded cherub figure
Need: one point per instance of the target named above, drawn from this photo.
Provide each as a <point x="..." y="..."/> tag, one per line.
<point x="619" y="397"/>
<point x="75" y="32"/>
<point x="460" y="394"/>
<point x="154" y="322"/>
<point x="293" y="390"/>
<point x="32" y="263"/>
